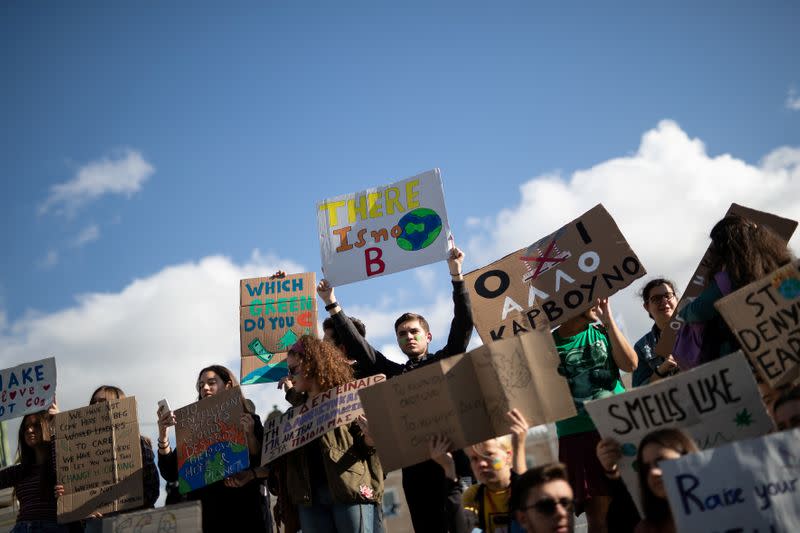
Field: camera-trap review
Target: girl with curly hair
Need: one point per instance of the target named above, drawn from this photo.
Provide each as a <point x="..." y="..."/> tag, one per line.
<point x="336" y="479"/>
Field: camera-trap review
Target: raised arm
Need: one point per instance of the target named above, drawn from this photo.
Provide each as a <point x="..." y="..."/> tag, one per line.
<point x="461" y="326"/>
<point x="356" y="347"/>
<point x="624" y="355"/>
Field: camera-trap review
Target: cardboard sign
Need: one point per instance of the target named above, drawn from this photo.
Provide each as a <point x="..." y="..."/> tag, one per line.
<point x="98" y="459"/>
<point x="715" y="403"/>
<point x="466" y="397"/>
<point x="27" y="388"/>
<point x="782" y="226"/>
<point x="554" y="279"/>
<point x="303" y="423"/>
<point x="179" y="518"/>
<point x="384" y="230"/>
<point x="210" y="440"/>
<point x="765" y="316"/>
<point x="273" y="314"/>
<point x="751" y="485"/>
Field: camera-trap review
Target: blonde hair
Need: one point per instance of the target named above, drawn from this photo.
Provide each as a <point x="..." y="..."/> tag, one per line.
<point x="503" y="442"/>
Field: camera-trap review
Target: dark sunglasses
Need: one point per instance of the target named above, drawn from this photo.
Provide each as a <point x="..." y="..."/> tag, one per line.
<point x="654" y="299"/>
<point x="547" y="506"/>
<point x="294" y="371"/>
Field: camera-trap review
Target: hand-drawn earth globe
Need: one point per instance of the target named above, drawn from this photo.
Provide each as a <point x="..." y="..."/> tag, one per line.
<point x="420" y="228"/>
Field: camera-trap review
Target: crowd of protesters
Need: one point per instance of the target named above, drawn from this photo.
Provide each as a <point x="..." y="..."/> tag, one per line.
<point x="336" y="482"/>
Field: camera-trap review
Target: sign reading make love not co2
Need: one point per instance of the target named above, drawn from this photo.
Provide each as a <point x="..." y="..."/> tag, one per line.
<point x="27" y="388"/>
<point x="384" y="230"/>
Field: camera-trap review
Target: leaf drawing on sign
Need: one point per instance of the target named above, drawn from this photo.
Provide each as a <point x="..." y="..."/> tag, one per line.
<point x="514" y="372"/>
<point x="288" y="339"/>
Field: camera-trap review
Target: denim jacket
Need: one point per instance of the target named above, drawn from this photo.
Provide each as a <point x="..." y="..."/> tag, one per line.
<point x="352" y="468"/>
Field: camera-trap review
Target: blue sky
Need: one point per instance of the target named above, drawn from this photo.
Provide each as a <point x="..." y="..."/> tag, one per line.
<point x="186" y="136"/>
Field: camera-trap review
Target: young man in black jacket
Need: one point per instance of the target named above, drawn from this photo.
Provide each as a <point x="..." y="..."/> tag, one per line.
<point x="423" y="482"/>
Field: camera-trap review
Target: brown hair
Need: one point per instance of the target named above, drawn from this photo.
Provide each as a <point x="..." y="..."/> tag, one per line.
<point x="656" y="510"/>
<point x="745" y="250"/>
<point x="224" y="374"/>
<point x="25" y="454"/>
<point x="407" y="317"/>
<point x="532" y="479"/>
<point x="323" y="362"/>
<point x="111" y="392"/>
<point x="652" y="284"/>
<point x="328" y="324"/>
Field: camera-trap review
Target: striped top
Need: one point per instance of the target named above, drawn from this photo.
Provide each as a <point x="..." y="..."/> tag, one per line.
<point x="34" y="488"/>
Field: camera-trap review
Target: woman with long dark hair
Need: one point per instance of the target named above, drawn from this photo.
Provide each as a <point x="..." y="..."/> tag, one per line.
<point x="34" y="477"/>
<point x="237" y="500"/>
<point x="655" y="447"/>
<point x="741" y="252"/>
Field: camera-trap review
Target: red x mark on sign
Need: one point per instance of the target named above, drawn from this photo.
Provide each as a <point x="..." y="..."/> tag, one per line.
<point x="546" y="258"/>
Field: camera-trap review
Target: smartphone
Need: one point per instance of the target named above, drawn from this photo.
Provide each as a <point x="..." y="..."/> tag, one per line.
<point x="163" y="405"/>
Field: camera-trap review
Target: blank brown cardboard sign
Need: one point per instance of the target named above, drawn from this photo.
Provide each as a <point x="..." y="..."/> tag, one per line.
<point x="782" y="226"/>
<point x="765" y="316"/>
<point x="98" y="459"/>
<point x="274" y="312"/>
<point x="554" y="279"/>
<point x="466" y="397"/>
<point x="301" y="424"/>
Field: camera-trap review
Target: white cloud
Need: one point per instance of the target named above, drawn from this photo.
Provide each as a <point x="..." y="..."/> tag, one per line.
<point x="793" y="100"/>
<point x="426" y="276"/>
<point x="151" y="338"/>
<point x="123" y="174"/>
<point x="88" y="234"/>
<point x="49" y="260"/>
<point x="665" y="199"/>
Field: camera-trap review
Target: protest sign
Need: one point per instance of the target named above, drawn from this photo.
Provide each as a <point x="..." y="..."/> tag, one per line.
<point x="765" y="316"/>
<point x="715" y="403"/>
<point x="784" y="227"/>
<point x="177" y="518"/>
<point x="210" y="440"/>
<point x="750" y="485"/>
<point x="98" y="459"/>
<point x="27" y="388"/>
<point x="301" y="424"/>
<point x="273" y="314"/>
<point x="383" y="230"/>
<point x="466" y="397"/>
<point x="554" y="279"/>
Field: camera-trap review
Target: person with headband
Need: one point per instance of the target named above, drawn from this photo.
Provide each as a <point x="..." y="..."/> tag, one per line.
<point x="336" y="479"/>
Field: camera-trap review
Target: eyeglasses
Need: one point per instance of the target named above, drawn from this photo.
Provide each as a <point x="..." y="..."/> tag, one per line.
<point x="294" y="370"/>
<point x="656" y="298"/>
<point x="547" y="506"/>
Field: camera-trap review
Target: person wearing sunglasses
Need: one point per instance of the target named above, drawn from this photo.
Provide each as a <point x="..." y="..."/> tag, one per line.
<point x="542" y="500"/>
<point x="336" y="479"/>
<point x="659" y="299"/>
